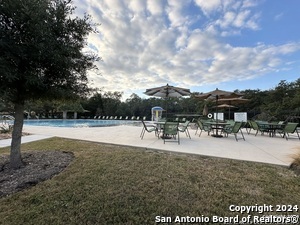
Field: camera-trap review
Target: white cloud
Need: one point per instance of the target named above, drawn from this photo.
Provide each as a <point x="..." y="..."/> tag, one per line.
<point x="155" y="7"/>
<point x="209" y="7"/>
<point x="278" y="16"/>
<point x="149" y="43"/>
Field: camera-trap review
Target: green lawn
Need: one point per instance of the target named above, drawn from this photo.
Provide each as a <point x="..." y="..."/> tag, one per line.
<point x="107" y="184"/>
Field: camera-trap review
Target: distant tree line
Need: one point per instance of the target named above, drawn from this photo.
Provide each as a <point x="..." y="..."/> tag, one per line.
<point x="279" y="103"/>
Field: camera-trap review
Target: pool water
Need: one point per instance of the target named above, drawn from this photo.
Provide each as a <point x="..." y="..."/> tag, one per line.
<point x="78" y="122"/>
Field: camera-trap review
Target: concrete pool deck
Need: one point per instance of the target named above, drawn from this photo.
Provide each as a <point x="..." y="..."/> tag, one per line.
<point x="260" y="148"/>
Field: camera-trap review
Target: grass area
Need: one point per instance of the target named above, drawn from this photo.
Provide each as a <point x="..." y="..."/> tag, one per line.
<point x="107" y="184"/>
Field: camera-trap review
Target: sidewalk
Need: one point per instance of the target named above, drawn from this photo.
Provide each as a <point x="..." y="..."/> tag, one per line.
<point x="258" y="148"/>
<point x="25" y="139"/>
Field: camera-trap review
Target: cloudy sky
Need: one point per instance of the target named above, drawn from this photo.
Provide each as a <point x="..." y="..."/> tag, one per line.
<point x="196" y="44"/>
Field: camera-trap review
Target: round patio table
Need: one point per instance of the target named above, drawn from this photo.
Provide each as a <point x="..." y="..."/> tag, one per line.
<point x="217" y="126"/>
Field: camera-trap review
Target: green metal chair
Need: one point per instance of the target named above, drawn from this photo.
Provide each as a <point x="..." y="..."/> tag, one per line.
<point x="184" y="128"/>
<point x="202" y="127"/>
<point x="149" y="128"/>
<point x="170" y="132"/>
<point x="290" y="128"/>
<point x="258" y="127"/>
<point x="235" y="129"/>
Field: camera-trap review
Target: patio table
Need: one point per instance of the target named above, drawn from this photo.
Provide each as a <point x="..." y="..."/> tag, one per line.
<point x="160" y="126"/>
<point x="271" y="127"/>
<point x="217" y="126"/>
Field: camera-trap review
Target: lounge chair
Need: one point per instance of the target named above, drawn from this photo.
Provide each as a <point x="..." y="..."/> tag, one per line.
<point x="170" y="131"/>
<point x="202" y="127"/>
<point x="235" y="129"/>
<point x="184" y="128"/>
<point x="149" y="128"/>
<point x="290" y="128"/>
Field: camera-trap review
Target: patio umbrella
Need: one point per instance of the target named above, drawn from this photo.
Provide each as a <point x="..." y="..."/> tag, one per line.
<point x="216" y="95"/>
<point x="225" y="106"/>
<point x="167" y="91"/>
<point x="205" y="110"/>
<point x="233" y="101"/>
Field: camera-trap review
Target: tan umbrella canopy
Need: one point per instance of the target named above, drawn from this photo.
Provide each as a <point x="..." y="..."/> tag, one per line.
<point x="216" y="95"/>
<point x="233" y="101"/>
<point x="167" y="91"/>
<point x="224" y="106"/>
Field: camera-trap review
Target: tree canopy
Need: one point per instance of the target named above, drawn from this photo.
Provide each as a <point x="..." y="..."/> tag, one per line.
<point x="41" y="45"/>
<point x="41" y="49"/>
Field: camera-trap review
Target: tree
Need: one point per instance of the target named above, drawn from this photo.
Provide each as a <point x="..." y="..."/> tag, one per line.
<point x="111" y="102"/>
<point x="41" y="45"/>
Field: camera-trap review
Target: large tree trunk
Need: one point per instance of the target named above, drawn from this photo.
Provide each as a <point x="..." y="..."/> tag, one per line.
<point x="15" y="152"/>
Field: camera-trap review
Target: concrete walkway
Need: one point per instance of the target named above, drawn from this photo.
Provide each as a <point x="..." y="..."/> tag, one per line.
<point x="260" y="148"/>
<point x="25" y="139"/>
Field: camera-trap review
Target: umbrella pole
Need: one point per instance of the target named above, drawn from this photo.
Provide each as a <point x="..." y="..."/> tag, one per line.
<point x="217" y="134"/>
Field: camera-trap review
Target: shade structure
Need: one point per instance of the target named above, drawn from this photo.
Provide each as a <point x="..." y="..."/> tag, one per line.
<point x="233" y="101"/>
<point x="167" y="91"/>
<point x="224" y="106"/>
<point x="215" y="95"/>
<point x="218" y="94"/>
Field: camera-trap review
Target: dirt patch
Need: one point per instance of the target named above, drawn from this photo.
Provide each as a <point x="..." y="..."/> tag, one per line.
<point x="296" y="168"/>
<point x="39" y="166"/>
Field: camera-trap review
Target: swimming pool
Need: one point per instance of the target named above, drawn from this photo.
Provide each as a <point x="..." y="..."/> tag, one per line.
<point x="78" y="122"/>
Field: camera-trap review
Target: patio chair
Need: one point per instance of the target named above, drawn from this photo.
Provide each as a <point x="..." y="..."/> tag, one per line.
<point x="234" y="130"/>
<point x="290" y="128"/>
<point x="249" y="126"/>
<point x="258" y="127"/>
<point x="184" y="128"/>
<point x="170" y="131"/>
<point x="149" y="128"/>
<point x="202" y="127"/>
